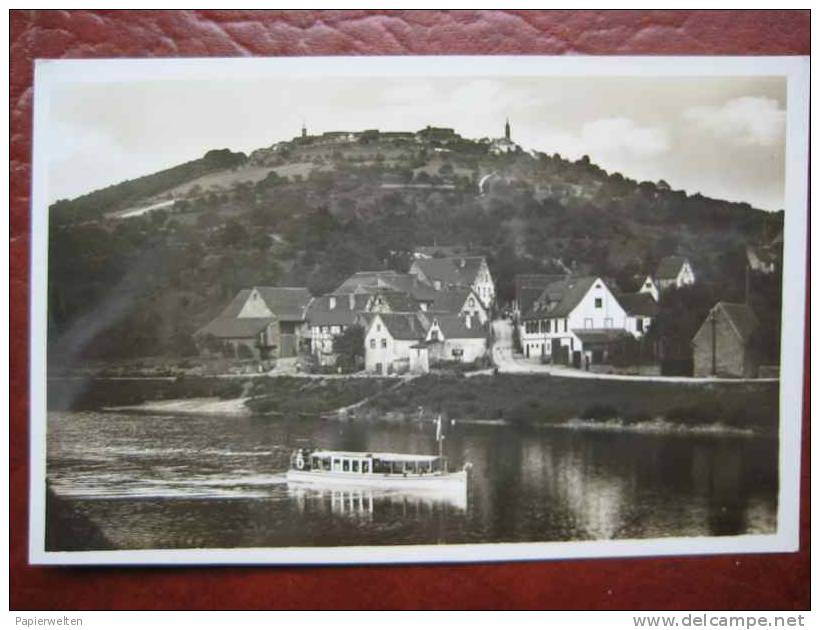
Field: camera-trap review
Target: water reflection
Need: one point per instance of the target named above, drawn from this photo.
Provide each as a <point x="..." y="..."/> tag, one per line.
<point x="219" y="482"/>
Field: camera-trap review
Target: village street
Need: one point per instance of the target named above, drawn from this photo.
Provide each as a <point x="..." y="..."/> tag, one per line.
<point x="505" y="359"/>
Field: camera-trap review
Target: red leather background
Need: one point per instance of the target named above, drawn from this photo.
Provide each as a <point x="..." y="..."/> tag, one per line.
<point x="718" y="582"/>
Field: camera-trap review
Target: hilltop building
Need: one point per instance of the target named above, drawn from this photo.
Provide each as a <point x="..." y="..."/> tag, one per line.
<point x="722" y="346"/>
<point x="505" y="144"/>
<point x="261" y="322"/>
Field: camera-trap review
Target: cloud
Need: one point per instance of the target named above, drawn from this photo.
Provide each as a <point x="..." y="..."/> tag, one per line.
<point x="747" y="120"/>
<point x="622" y="135"/>
<point x="609" y="139"/>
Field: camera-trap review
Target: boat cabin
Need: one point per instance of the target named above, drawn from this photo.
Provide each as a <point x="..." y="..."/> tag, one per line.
<point x="367" y="463"/>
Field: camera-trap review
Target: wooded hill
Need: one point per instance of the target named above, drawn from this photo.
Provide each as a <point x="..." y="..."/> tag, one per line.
<point x="309" y="212"/>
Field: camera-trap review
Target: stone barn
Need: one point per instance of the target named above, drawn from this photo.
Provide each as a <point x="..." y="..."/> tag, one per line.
<point x="722" y="346"/>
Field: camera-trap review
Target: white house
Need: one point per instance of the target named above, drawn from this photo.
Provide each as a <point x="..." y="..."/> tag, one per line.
<point x="457" y="271"/>
<point x="460" y="301"/>
<point x="575" y="320"/>
<point x="395" y="344"/>
<point x="649" y="287"/>
<point x="674" y="271"/>
<point x="456" y="338"/>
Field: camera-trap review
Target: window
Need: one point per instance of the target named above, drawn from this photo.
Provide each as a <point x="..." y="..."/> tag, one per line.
<point x="549" y="325"/>
<point x="384" y="343"/>
<point x="373" y="344"/>
<point x="587" y="322"/>
<point x="345" y="465"/>
<point x="378" y="327"/>
<point x="639" y="325"/>
<point x="608" y="322"/>
<point x="433" y="335"/>
<point x="365" y="466"/>
<point x="599" y="302"/>
<point x="355" y="465"/>
<point x="565" y="325"/>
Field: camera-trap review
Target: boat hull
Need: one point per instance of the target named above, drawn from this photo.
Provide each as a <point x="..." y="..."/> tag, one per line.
<point x="444" y="482"/>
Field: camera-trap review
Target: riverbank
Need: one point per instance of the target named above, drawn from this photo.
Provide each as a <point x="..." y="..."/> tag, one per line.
<point x="544" y="399"/>
<point x="189" y="407"/>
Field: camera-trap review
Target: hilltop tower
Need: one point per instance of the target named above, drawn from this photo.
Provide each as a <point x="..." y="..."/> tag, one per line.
<point x="507" y="129"/>
<point x="304" y="129"/>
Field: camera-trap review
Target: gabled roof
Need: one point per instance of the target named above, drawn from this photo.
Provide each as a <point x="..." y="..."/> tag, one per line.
<point x="235" y="327"/>
<point x="455" y="327"/>
<point x="387" y="280"/>
<point x="740" y="316"/>
<point x="559" y="299"/>
<point x="452" y="271"/>
<point x="399" y="302"/>
<point x="403" y="326"/>
<point x="452" y="300"/>
<point x="669" y="267"/>
<point x="233" y="309"/>
<point x="638" y="304"/>
<point x="287" y="303"/>
<point x="320" y="314"/>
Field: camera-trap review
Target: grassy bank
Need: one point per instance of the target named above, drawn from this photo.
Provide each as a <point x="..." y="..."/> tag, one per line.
<point x="283" y="394"/>
<point x="538" y="399"/>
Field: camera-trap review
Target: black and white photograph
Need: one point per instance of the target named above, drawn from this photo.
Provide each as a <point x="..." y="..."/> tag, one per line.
<point x="353" y="310"/>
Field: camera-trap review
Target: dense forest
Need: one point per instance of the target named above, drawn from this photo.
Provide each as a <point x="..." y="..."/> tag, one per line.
<point x="304" y="215"/>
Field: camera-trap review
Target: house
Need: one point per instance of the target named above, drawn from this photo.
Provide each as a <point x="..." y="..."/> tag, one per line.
<point x="462" y="302"/>
<point x="641" y="309"/>
<point x="457" y="271"/>
<point x="394" y="343"/>
<point x="372" y="282"/>
<point x="456" y="338"/>
<point x="650" y="287"/>
<point x="261" y="322"/>
<point x="575" y="320"/>
<point x="762" y="260"/>
<point x="329" y="316"/>
<point x="674" y="271"/>
<point x="722" y="346"/>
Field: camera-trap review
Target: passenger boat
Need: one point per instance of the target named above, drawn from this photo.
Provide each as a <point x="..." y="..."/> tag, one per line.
<point x="395" y="471"/>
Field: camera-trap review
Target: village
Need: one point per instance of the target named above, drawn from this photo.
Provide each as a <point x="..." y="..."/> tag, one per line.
<point x="443" y="314"/>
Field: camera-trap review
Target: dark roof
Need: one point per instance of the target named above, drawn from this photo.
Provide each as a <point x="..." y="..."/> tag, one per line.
<point x="399" y="302"/>
<point x="452" y="271"/>
<point x="287" y="303"/>
<point x="600" y="335"/>
<point x="638" y="304"/>
<point x="669" y="267"/>
<point x="320" y="314"/>
<point x="451" y="300"/>
<point x="526" y="298"/>
<point x="235" y="327"/>
<point x="455" y="327"/>
<point x="405" y="326"/>
<point x="741" y="317"/>
<point x="236" y="304"/>
<point x="558" y="299"/>
<point x="375" y="281"/>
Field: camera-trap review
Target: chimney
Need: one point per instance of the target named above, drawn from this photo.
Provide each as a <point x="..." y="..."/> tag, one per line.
<point x="332" y="302"/>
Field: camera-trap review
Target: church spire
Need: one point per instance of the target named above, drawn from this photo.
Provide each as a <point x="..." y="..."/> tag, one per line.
<point x="507" y="129"/>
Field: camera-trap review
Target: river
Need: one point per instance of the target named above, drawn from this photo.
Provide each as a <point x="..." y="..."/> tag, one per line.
<point x="158" y="481"/>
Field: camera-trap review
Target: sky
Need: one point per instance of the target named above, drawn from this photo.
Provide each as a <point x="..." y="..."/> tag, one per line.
<point x="721" y="136"/>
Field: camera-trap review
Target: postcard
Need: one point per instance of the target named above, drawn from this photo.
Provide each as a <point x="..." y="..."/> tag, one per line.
<point x="416" y="309"/>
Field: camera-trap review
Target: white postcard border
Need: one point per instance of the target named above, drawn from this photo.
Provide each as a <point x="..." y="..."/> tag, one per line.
<point x="48" y="73"/>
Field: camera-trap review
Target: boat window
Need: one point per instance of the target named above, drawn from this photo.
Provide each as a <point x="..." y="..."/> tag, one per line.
<point x="355" y="465"/>
<point x="365" y="466"/>
<point x="337" y="464"/>
<point x="346" y="465"/>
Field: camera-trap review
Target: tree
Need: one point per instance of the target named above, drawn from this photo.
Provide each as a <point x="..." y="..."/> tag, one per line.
<point x="349" y="348"/>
